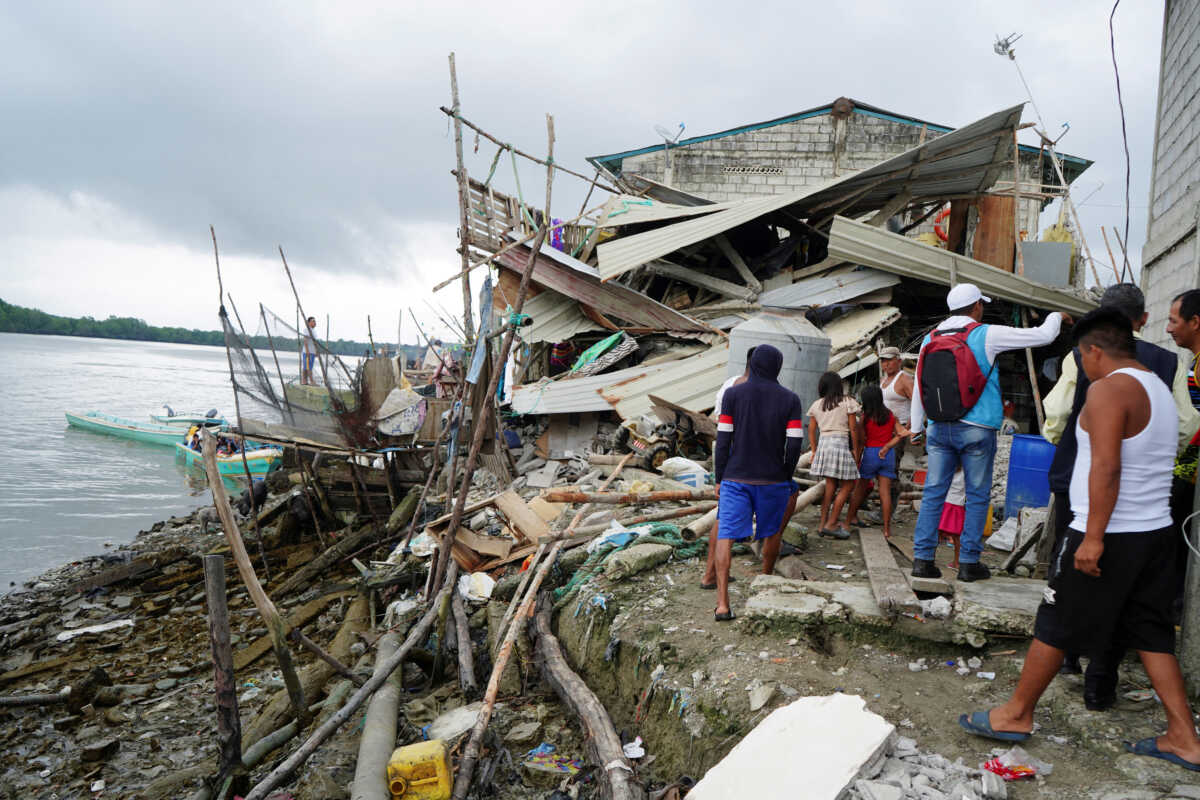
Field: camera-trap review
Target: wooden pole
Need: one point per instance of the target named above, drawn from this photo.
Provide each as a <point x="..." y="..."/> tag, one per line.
<point x="470" y="753"/>
<point x="1124" y="255"/>
<point x="464" y="202"/>
<point x="316" y="649"/>
<point x="276" y="627"/>
<point x="1020" y="257"/>
<point x="293" y="762"/>
<point x="466" y="659"/>
<point x="616" y="777"/>
<point x="478" y="428"/>
<point x="1033" y="384"/>
<point x="625" y="498"/>
<point x="229" y="725"/>
<point x="1111" y="259"/>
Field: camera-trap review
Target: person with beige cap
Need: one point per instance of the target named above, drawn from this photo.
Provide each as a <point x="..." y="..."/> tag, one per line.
<point x="897" y="386"/>
<point x="959" y="392"/>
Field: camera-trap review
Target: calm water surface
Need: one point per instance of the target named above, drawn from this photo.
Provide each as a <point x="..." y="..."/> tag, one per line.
<point x="65" y="492"/>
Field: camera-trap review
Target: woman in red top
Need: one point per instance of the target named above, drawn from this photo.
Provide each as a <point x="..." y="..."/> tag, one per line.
<point x="882" y="432"/>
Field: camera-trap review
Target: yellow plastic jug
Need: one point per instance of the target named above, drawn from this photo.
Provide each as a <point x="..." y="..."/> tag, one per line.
<point x="420" y="771"/>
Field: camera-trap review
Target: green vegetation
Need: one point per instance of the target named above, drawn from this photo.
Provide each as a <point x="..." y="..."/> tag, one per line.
<point x="18" y="319"/>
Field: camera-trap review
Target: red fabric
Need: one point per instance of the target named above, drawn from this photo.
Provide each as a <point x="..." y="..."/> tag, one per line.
<point x="879" y="435"/>
<point x="952" y="519"/>
<point x="796" y="423"/>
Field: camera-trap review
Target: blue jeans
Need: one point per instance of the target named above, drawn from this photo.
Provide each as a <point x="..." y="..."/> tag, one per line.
<point x="949" y="444"/>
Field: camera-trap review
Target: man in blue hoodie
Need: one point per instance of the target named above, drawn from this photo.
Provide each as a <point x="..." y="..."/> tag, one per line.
<point x="759" y="437"/>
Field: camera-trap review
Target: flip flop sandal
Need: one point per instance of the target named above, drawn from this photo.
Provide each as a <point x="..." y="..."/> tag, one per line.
<point x="979" y="724"/>
<point x="710" y="586"/>
<point x="726" y="617"/>
<point x="1149" y="747"/>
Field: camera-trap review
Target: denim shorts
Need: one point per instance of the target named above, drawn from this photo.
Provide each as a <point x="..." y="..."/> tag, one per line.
<point x="872" y="466"/>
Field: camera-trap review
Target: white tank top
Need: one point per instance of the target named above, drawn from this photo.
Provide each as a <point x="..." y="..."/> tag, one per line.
<point x="895" y="402"/>
<point x="1147" y="462"/>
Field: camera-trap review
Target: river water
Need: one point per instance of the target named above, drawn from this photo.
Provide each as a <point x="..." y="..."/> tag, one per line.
<point x="65" y="492"/>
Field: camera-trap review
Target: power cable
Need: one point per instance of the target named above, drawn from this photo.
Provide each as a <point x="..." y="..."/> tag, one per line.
<point x="1112" y="42"/>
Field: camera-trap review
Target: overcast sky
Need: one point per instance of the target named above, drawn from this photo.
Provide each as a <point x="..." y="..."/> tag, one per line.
<point x="130" y="126"/>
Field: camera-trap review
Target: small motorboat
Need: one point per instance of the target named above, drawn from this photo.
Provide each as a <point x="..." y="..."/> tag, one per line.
<point x="206" y="419"/>
<point x="150" y="432"/>
<point x="260" y="459"/>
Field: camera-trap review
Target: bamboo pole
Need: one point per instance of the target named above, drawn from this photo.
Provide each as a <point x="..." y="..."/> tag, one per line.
<point x="464" y="202"/>
<point x="707" y="509"/>
<point x="1033" y="384"/>
<point x="416" y="635"/>
<point x="229" y="725"/>
<point x="1016" y="194"/>
<point x="276" y="627"/>
<point x="308" y="644"/>
<point x="470" y="753"/>
<point x="1112" y="259"/>
<point x="477" y="429"/>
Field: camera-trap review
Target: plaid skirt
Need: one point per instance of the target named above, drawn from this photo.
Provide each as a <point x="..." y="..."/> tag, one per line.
<point x="833" y="458"/>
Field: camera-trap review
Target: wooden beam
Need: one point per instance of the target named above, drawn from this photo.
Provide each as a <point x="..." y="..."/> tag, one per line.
<point x="891" y="207"/>
<point x="892" y="591"/>
<point x="704" y="281"/>
<point x="735" y="258"/>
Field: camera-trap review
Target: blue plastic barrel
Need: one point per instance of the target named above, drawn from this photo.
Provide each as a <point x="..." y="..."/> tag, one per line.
<point x="1028" y="474"/>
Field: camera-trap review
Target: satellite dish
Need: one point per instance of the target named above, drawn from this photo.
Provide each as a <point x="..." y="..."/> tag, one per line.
<point x="670" y="137"/>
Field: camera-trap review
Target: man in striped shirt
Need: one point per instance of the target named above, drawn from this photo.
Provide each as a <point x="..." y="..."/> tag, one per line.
<point x="759" y="437"/>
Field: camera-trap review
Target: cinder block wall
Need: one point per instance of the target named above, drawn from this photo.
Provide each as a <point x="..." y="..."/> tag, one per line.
<point x="1171" y="257"/>
<point x="793" y="155"/>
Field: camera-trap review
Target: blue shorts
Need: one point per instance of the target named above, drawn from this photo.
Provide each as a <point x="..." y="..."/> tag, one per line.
<point x="309" y="358"/>
<point x="873" y="466"/>
<point x="751" y="511"/>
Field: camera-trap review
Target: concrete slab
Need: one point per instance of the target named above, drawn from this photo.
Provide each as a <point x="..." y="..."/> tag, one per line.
<point x="999" y="605"/>
<point x="817" y="746"/>
<point x="777" y="597"/>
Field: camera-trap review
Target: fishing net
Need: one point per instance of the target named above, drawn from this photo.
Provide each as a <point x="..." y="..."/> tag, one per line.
<point x="279" y="398"/>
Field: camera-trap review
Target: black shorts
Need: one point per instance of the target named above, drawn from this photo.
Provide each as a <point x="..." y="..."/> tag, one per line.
<point x="1129" y="605"/>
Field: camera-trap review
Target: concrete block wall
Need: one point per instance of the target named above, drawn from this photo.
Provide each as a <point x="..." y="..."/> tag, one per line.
<point x="1170" y="255"/>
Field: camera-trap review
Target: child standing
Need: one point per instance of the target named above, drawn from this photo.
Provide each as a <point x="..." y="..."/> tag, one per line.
<point x="953" y="513"/>
<point x="882" y="432"/>
<point x="833" y="431"/>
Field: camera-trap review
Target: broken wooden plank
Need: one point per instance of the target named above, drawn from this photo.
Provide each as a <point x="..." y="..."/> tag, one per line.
<point x="35" y="668"/>
<point x="523" y="520"/>
<point x="892" y="591"/>
<point x="942" y="585"/>
<point x="133" y="569"/>
<point x="256" y="649"/>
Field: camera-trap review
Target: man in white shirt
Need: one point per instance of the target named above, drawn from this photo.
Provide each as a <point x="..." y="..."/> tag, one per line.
<point x="971" y="440"/>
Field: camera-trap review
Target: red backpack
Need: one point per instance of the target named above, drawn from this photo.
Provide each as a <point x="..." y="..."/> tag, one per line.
<point x="951" y="381"/>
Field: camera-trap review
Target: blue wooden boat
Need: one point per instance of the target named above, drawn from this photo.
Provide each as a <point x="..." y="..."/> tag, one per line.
<point x="150" y="432"/>
<point x="260" y="460"/>
<point x="188" y="420"/>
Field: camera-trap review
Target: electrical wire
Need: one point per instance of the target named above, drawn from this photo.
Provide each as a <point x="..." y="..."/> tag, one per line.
<point x="1112" y="42"/>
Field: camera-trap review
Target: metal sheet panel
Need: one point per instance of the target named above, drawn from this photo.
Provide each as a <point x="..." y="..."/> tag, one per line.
<point x="631" y="210"/>
<point x="890" y="252"/>
<point x="964" y="161"/>
<point x="570" y="395"/>
<point x="824" y="290"/>
<point x="556" y="318"/>
<point x="858" y="328"/>
<point x="568" y="276"/>
<point x="690" y="383"/>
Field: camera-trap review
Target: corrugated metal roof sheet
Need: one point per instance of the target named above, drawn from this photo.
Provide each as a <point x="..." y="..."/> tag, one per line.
<point x="964" y="161"/>
<point x="890" y="252"/>
<point x="630" y="210"/>
<point x="824" y="290"/>
<point x="556" y="318"/>
<point x="690" y="382"/>
<point x="568" y="276"/>
<point x="858" y="328"/>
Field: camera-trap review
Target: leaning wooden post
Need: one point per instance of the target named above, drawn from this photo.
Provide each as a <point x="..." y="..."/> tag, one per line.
<point x="477" y="429"/>
<point x="276" y="627"/>
<point x="466" y="659"/>
<point x="229" y="725"/>
<point x="470" y="753"/>
<point x="464" y="202"/>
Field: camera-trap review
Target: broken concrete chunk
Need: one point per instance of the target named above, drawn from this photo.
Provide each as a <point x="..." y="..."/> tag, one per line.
<point x="522" y="732"/>
<point x="99" y="749"/>
<point x="635" y="559"/>
<point x="994" y="787"/>
<point x="817" y="746"/>
<point x="760" y="694"/>
<point x="875" y="790"/>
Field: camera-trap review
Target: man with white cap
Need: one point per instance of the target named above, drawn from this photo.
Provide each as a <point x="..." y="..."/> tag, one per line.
<point x="959" y="391"/>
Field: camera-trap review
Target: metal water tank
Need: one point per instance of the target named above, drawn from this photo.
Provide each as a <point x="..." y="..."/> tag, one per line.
<point x="805" y="349"/>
